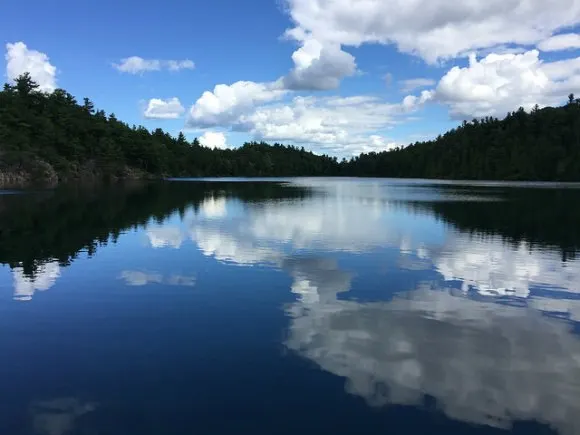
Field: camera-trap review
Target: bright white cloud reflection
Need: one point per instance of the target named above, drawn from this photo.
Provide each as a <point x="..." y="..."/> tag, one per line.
<point x="43" y="279"/>
<point x="167" y="236"/>
<point x="213" y="207"/>
<point x="483" y="363"/>
<point x="364" y="220"/>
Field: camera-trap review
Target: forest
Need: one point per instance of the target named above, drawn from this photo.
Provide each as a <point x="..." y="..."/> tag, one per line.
<point x="51" y="138"/>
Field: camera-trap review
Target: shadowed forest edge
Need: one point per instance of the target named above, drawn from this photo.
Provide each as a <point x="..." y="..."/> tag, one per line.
<point x="50" y="138"/>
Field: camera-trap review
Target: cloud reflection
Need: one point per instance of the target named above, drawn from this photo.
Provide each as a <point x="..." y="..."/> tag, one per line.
<point x="494" y="268"/>
<point x="167" y="236"/>
<point x="484" y="363"/>
<point x="44" y="278"/>
<point x="139" y="278"/>
<point x="58" y="416"/>
<point x="213" y="207"/>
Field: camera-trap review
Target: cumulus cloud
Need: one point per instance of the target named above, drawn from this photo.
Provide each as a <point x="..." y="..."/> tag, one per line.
<point x="343" y="125"/>
<point x="500" y="83"/>
<point x="432" y="29"/>
<point x="226" y="103"/>
<point x="411" y="102"/>
<point x="170" y="108"/>
<point x="319" y="67"/>
<point x="410" y="85"/>
<point x="20" y="59"/>
<point x="566" y="41"/>
<point x="138" y="65"/>
<point x="213" y="139"/>
<point x="494" y="85"/>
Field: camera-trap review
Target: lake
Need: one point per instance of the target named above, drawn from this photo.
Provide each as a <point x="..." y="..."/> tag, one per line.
<point x="290" y="306"/>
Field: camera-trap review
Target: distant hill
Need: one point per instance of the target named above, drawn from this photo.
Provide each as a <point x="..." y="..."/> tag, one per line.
<point x="50" y="138"/>
<point x="541" y="145"/>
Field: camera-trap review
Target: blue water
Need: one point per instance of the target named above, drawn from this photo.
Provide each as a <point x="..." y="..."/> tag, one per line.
<point x="306" y="306"/>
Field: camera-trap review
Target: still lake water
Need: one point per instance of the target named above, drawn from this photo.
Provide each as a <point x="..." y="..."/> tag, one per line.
<point x="307" y="306"/>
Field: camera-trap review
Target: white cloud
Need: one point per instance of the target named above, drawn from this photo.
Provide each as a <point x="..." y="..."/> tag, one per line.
<point x="227" y="102"/>
<point x="44" y="278"/>
<point x="500" y="83"/>
<point x="411" y="102"/>
<point x="319" y="67"/>
<point x="566" y="41"/>
<point x="409" y="85"/>
<point x="20" y="59"/>
<point x="329" y="124"/>
<point x="164" y="109"/>
<point x="176" y="65"/>
<point x="213" y="139"/>
<point x="432" y="29"/>
<point x="137" y="65"/>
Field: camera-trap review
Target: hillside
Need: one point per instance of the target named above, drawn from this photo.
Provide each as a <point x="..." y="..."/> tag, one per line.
<point x="51" y="138"/>
<point x="541" y="145"/>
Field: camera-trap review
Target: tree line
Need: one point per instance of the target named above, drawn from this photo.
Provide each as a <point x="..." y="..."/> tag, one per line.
<point x="53" y="137"/>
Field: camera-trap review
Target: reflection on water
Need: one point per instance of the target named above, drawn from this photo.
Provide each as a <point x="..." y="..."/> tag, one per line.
<point x="483" y="363"/>
<point x="162" y="237"/>
<point x="58" y="416"/>
<point x="401" y="292"/>
<point x="139" y="278"/>
<point x="44" y="278"/>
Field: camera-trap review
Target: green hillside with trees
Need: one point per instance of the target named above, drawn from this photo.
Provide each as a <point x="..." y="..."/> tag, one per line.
<point x="51" y="138"/>
<point x="541" y="145"/>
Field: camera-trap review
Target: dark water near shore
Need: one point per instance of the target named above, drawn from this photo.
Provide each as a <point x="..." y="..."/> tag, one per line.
<point x="305" y="306"/>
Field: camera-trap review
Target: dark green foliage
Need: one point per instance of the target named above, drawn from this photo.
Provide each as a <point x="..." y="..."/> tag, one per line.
<point x="52" y="137"/>
<point x="53" y="131"/>
<point x="541" y="145"/>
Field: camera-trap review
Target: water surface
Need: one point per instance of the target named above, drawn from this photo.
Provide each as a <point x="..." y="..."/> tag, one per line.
<point x="304" y="306"/>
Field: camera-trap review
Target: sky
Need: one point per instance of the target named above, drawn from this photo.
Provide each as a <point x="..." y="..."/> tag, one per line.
<point x="338" y="77"/>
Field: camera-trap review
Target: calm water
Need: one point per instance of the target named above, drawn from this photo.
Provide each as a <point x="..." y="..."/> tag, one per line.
<point x="305" y="306"/>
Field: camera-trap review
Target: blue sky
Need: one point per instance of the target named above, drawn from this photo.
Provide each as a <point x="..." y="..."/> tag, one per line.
<point x="334" y="76"/>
